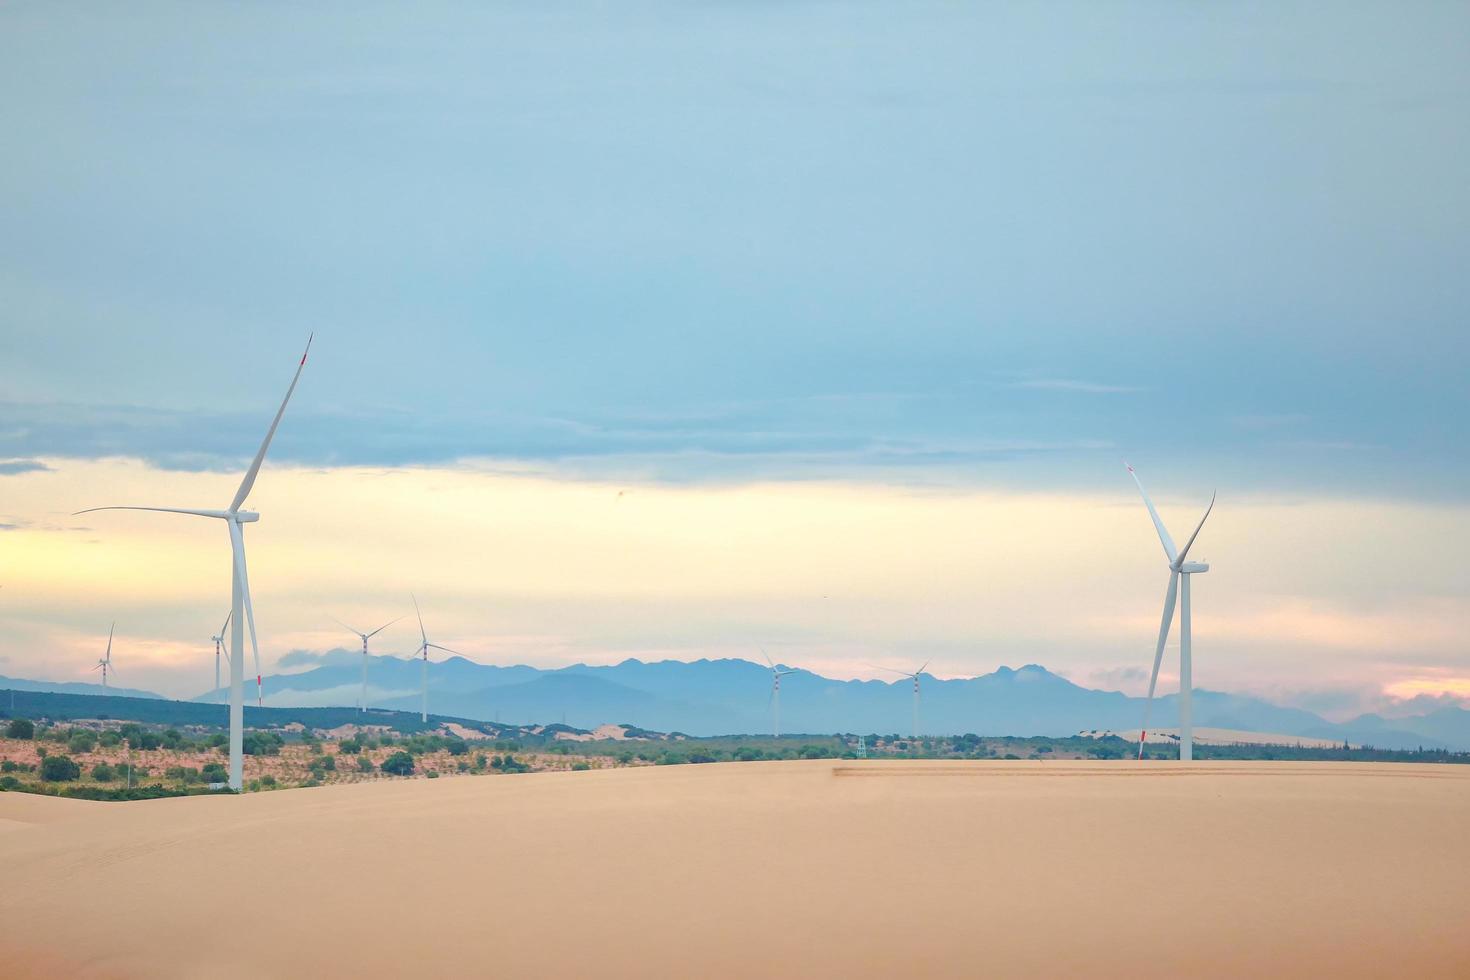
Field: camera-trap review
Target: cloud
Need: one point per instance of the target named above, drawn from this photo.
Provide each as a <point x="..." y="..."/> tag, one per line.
<point x="1431" y="687"/>
<point x="310" y="658"/>
<point x="1069" y="384"/>
<point x="14" y="467"/>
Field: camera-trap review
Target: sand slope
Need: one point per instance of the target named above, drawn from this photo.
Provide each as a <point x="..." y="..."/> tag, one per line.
<point x="764" y="869"/>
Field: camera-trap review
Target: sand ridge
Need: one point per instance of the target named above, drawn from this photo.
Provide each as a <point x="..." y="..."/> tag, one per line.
<point x="761" y="869"/>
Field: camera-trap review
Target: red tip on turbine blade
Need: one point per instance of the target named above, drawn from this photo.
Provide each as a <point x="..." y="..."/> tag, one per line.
<point x="308" y="348"/>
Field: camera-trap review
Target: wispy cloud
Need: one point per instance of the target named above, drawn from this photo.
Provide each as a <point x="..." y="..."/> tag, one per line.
<point x="12" y="467"/>
<point x="1072" y="384"/>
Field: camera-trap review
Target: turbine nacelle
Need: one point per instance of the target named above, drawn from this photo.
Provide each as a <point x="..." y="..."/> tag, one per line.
<point x="1193" y="568"/>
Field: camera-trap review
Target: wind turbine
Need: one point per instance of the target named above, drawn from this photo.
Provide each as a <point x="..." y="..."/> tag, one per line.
<point x="219" y="642"/>
<point x="362" y="699"/>
<point x="1178" y="567"/>
<point x="424" y="647"/>
<point x="105" y="664"/>
<point x="776" y="674"/>
<point x="240" y="608"/>
<point x="915" y="676"/>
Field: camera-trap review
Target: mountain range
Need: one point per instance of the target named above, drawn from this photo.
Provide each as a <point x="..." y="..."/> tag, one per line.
<point x="718" y="697"/>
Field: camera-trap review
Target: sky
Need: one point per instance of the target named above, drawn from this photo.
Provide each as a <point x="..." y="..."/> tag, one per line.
<point x="672" y="330"/>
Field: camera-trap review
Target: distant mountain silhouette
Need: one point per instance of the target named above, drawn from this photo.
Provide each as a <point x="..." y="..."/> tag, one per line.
<point x="72" y="687"/>
<point x="719" y="697"/>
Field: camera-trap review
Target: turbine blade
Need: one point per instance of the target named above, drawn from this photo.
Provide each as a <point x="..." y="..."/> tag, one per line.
<point x="227" y="622"/>
<point x="237" y="542"/>
<point x="345" y="626"/>
<point x="1190" y="543"/>
<point x="1153" y="681"/>
<point x="1164" y="538"/>
<point x="767" y="656"/>
<point x="923" y="668"/>
<point x="251" y="473"/>
<point x="383" y="627"/>
<point x="158" y="510"/>
<point x="422" y="635"/>
<point x="436" y="646"/>
<point x="108" y="656"/>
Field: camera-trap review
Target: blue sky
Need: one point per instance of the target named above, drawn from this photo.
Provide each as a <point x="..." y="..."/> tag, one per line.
<point x="984" y="246"/>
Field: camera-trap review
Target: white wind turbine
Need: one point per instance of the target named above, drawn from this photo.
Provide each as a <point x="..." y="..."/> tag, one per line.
<point x="915" y="676"/>
<point x="1178" y="566"/>
<point x="105" y="664"/>
<point x="362" y="698"/>
<point x="240" y="608"/>
<point x="776" y="674"/>
<point x="219" y="642"/>
<point x="424" y="647"/>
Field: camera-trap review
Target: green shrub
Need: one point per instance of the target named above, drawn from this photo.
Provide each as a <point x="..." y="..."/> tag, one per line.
<point x="60" y="769"/>
<point x="262" y="743"/>
<point x="398" y="764"/>
<point x="109" y="740"/>
<point x="431" y="774"/>
<point x="8" y="783"/>
<point x="364" y="764"/>
<point x="581" y="766"/>
<point x="103" y="773"/>
<point x="20" y="728"/>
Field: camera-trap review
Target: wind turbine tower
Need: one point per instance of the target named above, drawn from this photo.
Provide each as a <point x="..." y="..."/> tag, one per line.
<point x="424" y="647"/>
<point x="362" y="698"/>
<point x="241" y="609"/>
<point x="915" y="676"/>
<point x="219" y="643"/>
<point x="1179" y="568"/>
<point x="105" y="664"/>
<point x="776" y="674"/>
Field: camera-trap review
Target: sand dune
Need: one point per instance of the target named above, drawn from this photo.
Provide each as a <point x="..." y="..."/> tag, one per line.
<point x="765" y="869"/>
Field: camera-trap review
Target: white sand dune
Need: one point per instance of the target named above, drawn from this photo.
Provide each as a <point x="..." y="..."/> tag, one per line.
<point x="810" y="869"/>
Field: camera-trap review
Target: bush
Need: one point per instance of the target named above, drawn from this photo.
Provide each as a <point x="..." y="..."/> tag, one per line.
<point x="431" y="774"/>
<point x="9" y="765"/>
<point x="398" y="764"/>
<point x="364" y="764"/>
<point x="262" y="743"/>
<point x="103" y="773"/>
<point x="214" y="772"/>
<point x="81" y="742"/>
<point x="580" y="766"/>
<point x="480" y="762"/>
<point x="456" y="746"/>
<point x="8" y="783"/>
<point x="349" y="745"/>
<point x="20" y="728"/>
<point x="109" y="740"/>
<point x="60" y="769"/>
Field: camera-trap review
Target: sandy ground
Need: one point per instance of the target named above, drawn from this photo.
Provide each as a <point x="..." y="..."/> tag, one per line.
<point x="812" y="869"/>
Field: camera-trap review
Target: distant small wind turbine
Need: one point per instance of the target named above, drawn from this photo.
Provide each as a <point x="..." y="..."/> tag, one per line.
<point x="1178" y="567"/>
<point x="219" y="643"/>
<point x="362" y="699"/>
<point x="240" y="607"/>
<point x="915" y="676"/>
<point x="424" y="647"/>
<point x="776" y="674"/>
<point x="105" y="664"/>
